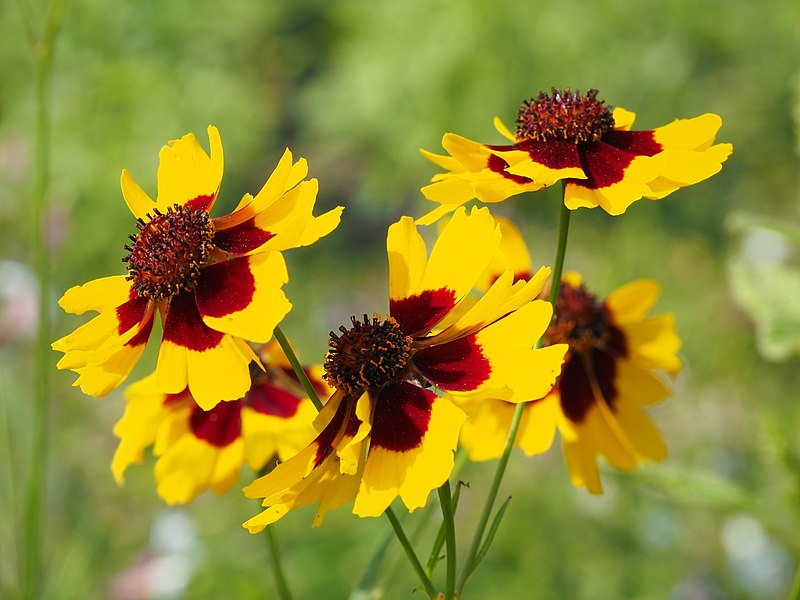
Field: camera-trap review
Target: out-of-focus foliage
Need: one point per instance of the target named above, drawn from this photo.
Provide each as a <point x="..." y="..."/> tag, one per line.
<point x="357" y="88"/>
<point x="765" y="280"/>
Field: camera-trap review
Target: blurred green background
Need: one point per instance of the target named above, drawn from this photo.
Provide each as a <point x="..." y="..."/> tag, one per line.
<point x="357" y="88"/>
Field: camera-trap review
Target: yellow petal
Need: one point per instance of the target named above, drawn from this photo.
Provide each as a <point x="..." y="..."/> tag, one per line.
<point x="503" y="130"/>
<point x="654" y="344"/>
<point x="137" y="428"/>
<point x="219" y="373"/>
<point x="639" y="387"/>
<point x="186" y="172"/>
<point x="502" y="298"/>
<point x="184" y="470"/>
<point x="642" y="434"/>
<point x="512" y="254"/>
<point x="538" y="427"/>
<point x="582" y="466"/>
<point x="484" y="433"/>
<point x="616" y="198"/>
<point x="461" y="253"/>
<point x="689" y="134"/>
<point x="100" y="295"/>
<point x="631" y="302"/>
<point x="623" y="119"/>
<point x="682" y="168"/>
<point x="408" y="258"/>
<point x="171" y="369"/>
<point x="139" y="203"/>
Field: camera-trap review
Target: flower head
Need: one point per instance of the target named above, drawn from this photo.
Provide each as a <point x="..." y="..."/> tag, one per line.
<point x="385" y="432"/>
<point x="567" y="136"/>
<point x="199" y="449"/>
<point x="614" y="368"/>
<point x="216" y="282"/>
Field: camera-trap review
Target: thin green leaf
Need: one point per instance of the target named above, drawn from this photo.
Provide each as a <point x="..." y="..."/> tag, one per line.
<point x="487" y="542"/>
<point x="438" y="543"/>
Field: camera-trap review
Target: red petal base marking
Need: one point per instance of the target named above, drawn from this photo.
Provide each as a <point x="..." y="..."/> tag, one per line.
<point x="419" y="313"/>
<point x="574" y="384"/>
<point x="184" y="327"/>
<point x="458" y="366"/>
<point x="401" y="416"/>
<point x="220" y="426"/>
<point x="225" y="288"/>
<point x="201" y="202"/>
<point x="604" y="162"/>
<point x="241" y="238"/>
<point x="324" y="441"/>
<point x="144" y="334"/>
<point x="642" y="143"/>
<point x="499" y="165"/>
<point x="273" y="401"/>
<point x="553" y="155"/>
<point x="183" y="396"/>
<point x="131" y="312"/>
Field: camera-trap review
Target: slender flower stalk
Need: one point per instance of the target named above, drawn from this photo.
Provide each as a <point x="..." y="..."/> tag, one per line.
<point x="298" y="368"/>
<point x="32" y="569"/>
<point x="446" y="501"/>
<point x="409" y="550"/>
<point x="281" y="584"/>
<point x="558" y="267"/>
<point x="468" y="567"/>
<point x="277" y="569"/>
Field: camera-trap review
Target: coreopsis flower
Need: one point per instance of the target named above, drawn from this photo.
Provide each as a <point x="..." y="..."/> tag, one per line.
<point x="616" y="366"/>
<point x="215" y="281"/>
<point x="578" y="139"/>
<point x="199" y="449"/>
<point x="385" y="432"/>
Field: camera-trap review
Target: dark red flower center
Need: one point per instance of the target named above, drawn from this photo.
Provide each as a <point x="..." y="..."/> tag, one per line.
<point x="580" y="320"/>
<point x="565" y="116"/>
<point x="595" y="345"/>
<point x="367" y="356"/>
<point x="168" y="252"/>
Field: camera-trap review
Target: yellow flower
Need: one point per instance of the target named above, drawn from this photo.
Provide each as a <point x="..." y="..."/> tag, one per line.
<point x="385" y="433"/>
<point x="198" y="449"/>
<point x="575" y="138"/>
<point x="618" y="356"/>
<point x="216" y="282"/>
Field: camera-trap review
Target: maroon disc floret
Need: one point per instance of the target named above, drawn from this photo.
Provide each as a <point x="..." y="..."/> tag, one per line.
<point x="365" y="357"/>
<point x="564" y="116"/>
<point x="168" y="252"/>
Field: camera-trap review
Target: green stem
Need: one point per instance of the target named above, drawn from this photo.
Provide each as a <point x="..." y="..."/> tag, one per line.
<point x="298" y="368"/>
<point x="502" y="463"/>
<point x="558" y="267"/>
<point x="277" y="568"/>
<point x="467" y="568"/>
<point x="446" y="501"/>
<point x="32" y="564"/>
<point x="409" y="550"/>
